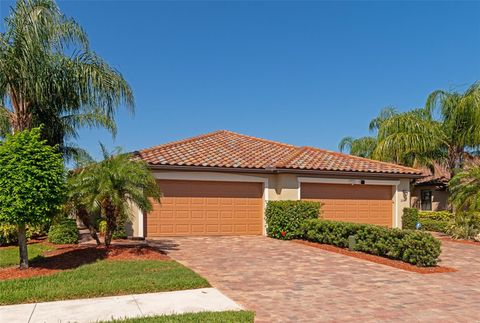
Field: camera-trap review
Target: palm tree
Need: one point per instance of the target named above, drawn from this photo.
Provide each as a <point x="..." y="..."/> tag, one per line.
<point x="445" y="131"/>
<point x="365" y="146"/>
<point x="465" y="189"/>
<point x="115" y="183"/>
<point x="49" y="75"/>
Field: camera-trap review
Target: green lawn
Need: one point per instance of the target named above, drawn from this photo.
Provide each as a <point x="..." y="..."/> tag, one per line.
<point x="9" y="255"/>
<point x="102" y="278"/>
<point x="210" y="317"/>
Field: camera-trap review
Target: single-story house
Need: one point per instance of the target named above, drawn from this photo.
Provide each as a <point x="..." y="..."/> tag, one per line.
<point x="218" y="184"/>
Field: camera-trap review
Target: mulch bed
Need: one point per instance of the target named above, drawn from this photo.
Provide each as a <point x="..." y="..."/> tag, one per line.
<point x="379" y="260"/>
<point x="66" y="257"/>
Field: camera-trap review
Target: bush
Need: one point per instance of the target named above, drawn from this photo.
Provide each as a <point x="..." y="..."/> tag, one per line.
<point x="102" y="226"/>
<point x="415" y="247"/>
<point x="429" y="224"/>
<point x="436" y="215"/>
<point x="283" y="218"/>
<point x="409" y="218"/>
<point x="464" y="226"/>
<point x="63" y="232"/>
<point x="8" y="234"/>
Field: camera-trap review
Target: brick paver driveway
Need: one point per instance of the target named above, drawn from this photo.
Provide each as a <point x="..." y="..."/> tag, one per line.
<point x="285" y="281"/>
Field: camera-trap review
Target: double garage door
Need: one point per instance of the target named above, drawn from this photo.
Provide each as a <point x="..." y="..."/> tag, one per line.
<point x="236" y="208"/>
<point x="207" y="208"/>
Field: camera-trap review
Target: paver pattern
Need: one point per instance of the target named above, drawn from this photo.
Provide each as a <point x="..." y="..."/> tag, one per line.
<point x="283" y="281"/>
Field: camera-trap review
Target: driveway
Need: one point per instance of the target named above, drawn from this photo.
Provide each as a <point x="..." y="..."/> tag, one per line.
<point x="284" y="281"/>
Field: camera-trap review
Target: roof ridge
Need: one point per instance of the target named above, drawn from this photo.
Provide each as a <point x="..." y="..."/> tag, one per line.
<point x="362" y="158"/>
<point x="261" y="139"/>
<point x="182" y="141"/>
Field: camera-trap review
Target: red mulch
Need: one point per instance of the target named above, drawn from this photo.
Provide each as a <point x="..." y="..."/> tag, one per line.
<point x="66" y="257"/>
<point x="379" y="260"/>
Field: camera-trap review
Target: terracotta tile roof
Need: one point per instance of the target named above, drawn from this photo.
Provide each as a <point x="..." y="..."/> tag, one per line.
<point x="232" y="150"/>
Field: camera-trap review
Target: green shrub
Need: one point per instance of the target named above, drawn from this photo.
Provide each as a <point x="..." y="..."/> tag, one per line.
<point x="464" y="226"/>
<point x="283" y="218"/>
<point x="409" y="218"/>
<point x="434" y="225"/>
<point x="102" y="226"/>
<point x="436" y="215"/>
<point x="415" y="247"/>
<point x="8" y="234"/>
<point x="63" y="232"/>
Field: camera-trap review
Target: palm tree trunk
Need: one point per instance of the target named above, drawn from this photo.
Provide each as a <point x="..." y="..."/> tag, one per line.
<point x="22" y="245"/>
<point x="109" y="210"/>
<point x="85" y="218"/>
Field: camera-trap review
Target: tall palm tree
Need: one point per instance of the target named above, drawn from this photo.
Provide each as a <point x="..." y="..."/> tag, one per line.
<point x="445" y="131"/>
<point x="115" y="183"/>
<point x="49" y="75"/>
<point x="365" y="146"/>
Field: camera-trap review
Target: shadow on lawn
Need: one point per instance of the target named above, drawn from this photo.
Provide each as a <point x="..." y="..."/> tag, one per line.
<point x="69" y="258"/>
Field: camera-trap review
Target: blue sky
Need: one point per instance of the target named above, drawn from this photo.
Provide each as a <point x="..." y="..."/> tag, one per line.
<point x="306" y="73"/>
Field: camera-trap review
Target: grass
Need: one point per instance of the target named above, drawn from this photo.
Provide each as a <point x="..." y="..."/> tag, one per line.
<point x="102" y="278"/>
<point x="9" y="255"/>
<point x="211" y="317"/>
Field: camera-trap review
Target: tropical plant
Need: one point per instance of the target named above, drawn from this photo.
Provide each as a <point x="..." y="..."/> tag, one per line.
<point x="446" y="131"/>
<point x="32" y="177"/>
<point x="49" y="75"/>
<point x="115" y="183"/>
<point x="365" y="146"/>
<point x="466" y="225"/>
<point x="464" y="189"/>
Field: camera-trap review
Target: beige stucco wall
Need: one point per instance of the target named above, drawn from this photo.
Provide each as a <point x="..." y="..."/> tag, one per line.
<point x="277" y="187"/>
<point x="439" y="198"/>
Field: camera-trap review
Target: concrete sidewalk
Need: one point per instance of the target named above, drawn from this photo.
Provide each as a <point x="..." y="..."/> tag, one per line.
<point x="115" y="307"/>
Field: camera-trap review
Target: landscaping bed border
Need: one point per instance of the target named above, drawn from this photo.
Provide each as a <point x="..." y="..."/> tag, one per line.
<point x="379" y="260"/>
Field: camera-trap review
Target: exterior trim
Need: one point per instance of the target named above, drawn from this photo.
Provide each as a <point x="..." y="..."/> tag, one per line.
<point x="350" y="181"/>
<point x="274" y="170"/>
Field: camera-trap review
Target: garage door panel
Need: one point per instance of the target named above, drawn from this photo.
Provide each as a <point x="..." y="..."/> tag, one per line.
<point x="207" y="208"/>
<point x="352" y="203"/>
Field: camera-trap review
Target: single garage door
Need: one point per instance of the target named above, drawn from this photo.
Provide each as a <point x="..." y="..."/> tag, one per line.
<point x="206" y="208"/>
<point x="371" y="204"/>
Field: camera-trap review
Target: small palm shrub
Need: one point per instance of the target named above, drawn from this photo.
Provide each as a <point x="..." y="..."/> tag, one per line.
<point x="102" y="226"/>
<point x="466" y="225"/>
<point x="283" y="218"/>
<point x="63" y="232"/>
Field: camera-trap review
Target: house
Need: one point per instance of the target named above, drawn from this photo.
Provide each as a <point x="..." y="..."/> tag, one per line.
<point x="218" y="183"/>
<point x="430" y="193"/>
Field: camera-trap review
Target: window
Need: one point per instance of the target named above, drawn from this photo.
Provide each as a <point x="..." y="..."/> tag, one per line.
<point x="426" y="199"/>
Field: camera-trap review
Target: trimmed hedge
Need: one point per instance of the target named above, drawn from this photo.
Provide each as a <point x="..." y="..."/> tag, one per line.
<point x="415" y="247"/>
<point x="434" y="225"/>
<point x="436" y="215"/>
<point x="283" y="218"/>
<point x="410" y="218"/>
<point x="63" y="232"/>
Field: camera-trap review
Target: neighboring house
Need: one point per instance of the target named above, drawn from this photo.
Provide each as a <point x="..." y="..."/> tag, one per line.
<point x="218" y="183"/>
<point x="430" y="192"/>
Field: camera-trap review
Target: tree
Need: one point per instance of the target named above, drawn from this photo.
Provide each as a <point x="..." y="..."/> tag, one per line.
<point x="445" y="131"/>
<point x="49" y="75"/>
<point x="32" y="180"/>
<point x="114" y="184"/>
<point x="365" y="146"/>
<point x="465" y="189"/>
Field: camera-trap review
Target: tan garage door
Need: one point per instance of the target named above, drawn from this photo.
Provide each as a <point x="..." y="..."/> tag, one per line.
<point x="352" y="203"/>
<point x="206" y="208"/>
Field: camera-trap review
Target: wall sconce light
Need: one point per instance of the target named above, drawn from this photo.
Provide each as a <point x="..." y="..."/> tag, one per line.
<point x="405" y="195"/>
